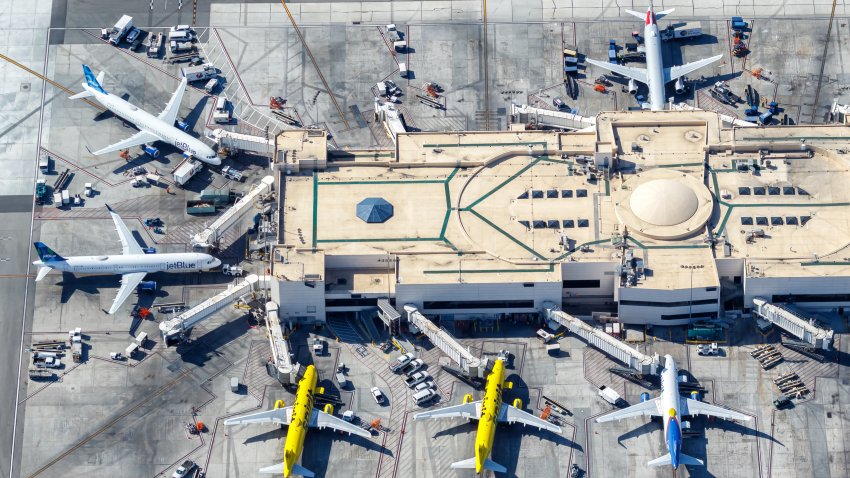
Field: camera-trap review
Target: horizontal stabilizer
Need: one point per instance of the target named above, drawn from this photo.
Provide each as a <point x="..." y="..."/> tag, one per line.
<point x="633" y="13"/>
<point x="42" y="272"/>
<point x="689" y="460"/>
<point x="661" y="461"/>
<point x="470" y="464"/>
<point x="297" y="470"/>
<point x="663" y="13"/>
<point x="80" y="95"/>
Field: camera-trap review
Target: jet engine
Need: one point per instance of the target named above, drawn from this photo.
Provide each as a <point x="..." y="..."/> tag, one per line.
<point x="644" y="397"/>
<point x="184" y="127"/>
<point x="518" y="403"/>
<point x="680" y="86"/>
<point x="632" y="86"/>
<point x="329" y="409"/>
<point x="468" y="398"/>
<point x="151" y="151"/>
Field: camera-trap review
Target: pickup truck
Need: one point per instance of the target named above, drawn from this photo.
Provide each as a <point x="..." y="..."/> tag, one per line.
<point x="417" y="378"/>
<point x="400" y="362"/>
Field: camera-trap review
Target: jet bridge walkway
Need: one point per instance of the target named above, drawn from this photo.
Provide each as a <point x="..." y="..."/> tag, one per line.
<point x="207" y="238"/>
<point x="280" y="366"/>
<point x="470" y="364"/>
<point x="172" y="330"/>
<point x="803" y="329"/>
<point x="642" y="363"/>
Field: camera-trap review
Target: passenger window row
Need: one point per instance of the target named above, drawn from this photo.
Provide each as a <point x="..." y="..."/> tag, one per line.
<point x="553" y="194"/>
<point x="555" y="224"/>
<point x="775" y="220"/>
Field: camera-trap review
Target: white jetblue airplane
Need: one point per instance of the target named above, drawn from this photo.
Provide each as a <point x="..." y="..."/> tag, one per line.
<point x="153" y="128"/>
<point x="132" y="265"/>
<point x="655" y="76"/>
<point x="672" y="407"/>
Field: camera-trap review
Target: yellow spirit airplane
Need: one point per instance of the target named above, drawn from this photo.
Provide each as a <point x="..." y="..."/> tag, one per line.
<point x="299" y="416"/>
<point x="488" y="411"/>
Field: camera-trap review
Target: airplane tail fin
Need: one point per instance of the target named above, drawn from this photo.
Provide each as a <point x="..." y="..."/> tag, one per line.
<point x="42" y="272"/>
<point x="46" y="254"/>
<point x="93" y="82"/>
<point x="488" y="465"/>
<point x="297" y="470"/>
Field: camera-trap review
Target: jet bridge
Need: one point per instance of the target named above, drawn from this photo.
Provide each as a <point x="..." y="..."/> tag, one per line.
<point x="207" y="238"/>
<point x="470" y="364"/>
<point x="173" y="330"/>
<point x="642" y="363"/>
<point x="796" y="325"/>
<point x="280" y="366"/>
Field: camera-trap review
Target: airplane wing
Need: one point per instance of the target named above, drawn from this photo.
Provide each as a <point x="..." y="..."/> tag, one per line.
<point x="512" y="414"/>
<point x="638" y="74"/>
<point x="142" y="137"/>
<point x="466" y="410"/>
<point x="281" y="416"/>
<point x="647" y="408"/>
<point x="129" y="282"/>
<point x="674" y="72"/>
<point x="169" y="114"/>
<point x="688" y="406"/>
<point x="128" y="242"/>
<point x="321" y="420"/>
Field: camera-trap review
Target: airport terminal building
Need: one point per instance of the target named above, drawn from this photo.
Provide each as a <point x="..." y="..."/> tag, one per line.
<point x="656" y="217"/>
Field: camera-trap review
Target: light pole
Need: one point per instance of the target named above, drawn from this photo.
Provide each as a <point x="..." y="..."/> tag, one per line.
<point x="691" y="267"/>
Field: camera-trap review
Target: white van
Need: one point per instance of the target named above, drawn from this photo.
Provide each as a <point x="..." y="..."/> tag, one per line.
<point x="424" y="396"/>
<point x="180" y="36"/>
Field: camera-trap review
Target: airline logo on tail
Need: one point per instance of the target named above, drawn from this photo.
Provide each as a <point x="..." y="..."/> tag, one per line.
<point x="47" y="254"/>
<point x="91" y="80"/>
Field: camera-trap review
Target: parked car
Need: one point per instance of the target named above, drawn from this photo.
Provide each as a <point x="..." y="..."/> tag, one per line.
<point x="184" y="470"/>
<point x="401" y="361"/>
<point x="424" y="396"/>
<point x="413" y="366"/>
<point x="423" y="386"/>
<point x="417" y="378"/>
<point x="133" y="35"/>
<point x="782" y="402"/>
<point x="378" y="395"/>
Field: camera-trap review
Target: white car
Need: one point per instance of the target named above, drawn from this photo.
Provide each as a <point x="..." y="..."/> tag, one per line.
<point x="400" y="362"/>
<point x="378" y="395"/>
<point x="423" y="386"/>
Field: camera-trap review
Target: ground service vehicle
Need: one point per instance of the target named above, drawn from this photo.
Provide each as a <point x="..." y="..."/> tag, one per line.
<point x="120" y="30"/>
<point x="185" y="171"/>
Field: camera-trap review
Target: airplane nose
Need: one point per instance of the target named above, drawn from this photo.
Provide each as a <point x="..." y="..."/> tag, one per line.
<point x="216" y="263"/>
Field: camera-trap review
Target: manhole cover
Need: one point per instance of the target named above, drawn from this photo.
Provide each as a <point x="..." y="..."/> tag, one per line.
<point x="25" y="86"/>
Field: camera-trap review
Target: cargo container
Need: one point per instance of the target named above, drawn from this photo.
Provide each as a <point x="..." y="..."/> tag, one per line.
<point x="200" y="207"/>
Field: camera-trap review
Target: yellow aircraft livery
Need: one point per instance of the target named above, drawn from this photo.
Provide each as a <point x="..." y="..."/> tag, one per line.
<point x="488" y="411"/>
<point x="298" y="417"/>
